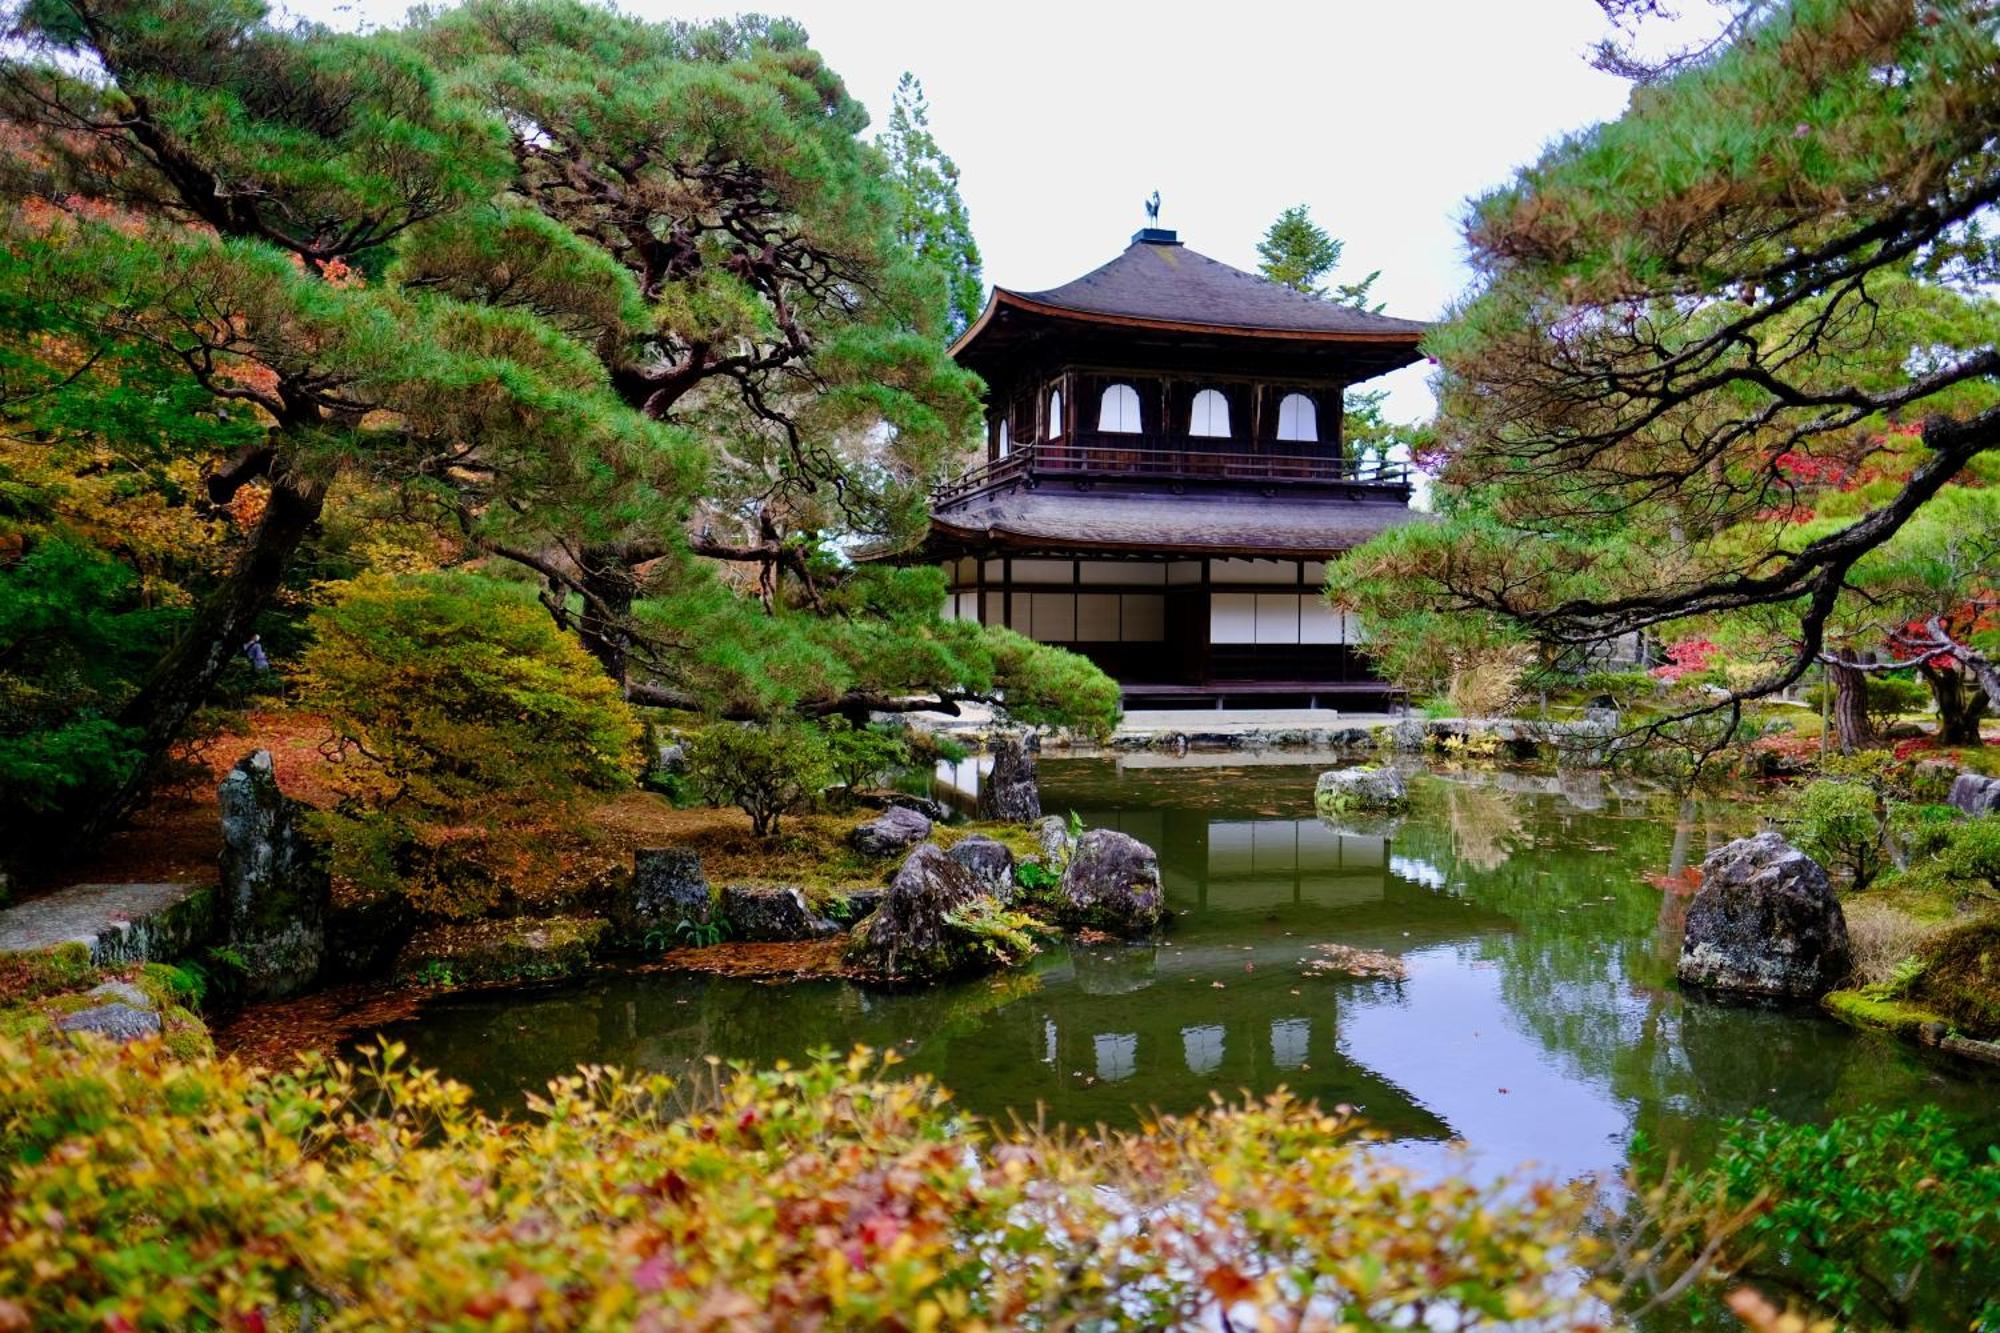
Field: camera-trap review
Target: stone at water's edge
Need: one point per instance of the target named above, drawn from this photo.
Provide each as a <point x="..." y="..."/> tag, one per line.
<point x="275" y="885"/>
<point x="1055" y="843"/>
<point x="771" y="914"/>
<point x="1011" y="793"/>
<point x="1112" y="883"/>
<point x="992" y="862"/>
<point x="667" y="888"/>
<point x="1361" y="789"/>
<point x="501" y="949"/>
<point x="1765" y="923"/>
<point x="896" y="829"/>
<point x="1975" y="795"/>
<point x="908" y="937"/>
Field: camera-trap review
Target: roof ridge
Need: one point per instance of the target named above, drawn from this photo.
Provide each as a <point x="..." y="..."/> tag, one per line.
<point x="1154" y="281"/>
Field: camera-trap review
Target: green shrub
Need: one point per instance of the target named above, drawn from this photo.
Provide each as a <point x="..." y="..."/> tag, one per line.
<point x="1840" y="824"/>
<point x="766" y="770"/>
<point x="1881" y="1220"/>
<point x="1970" y="855"/>
<point x="1884" y="698"/>
<point x="459" y="688"/>
<point x="468" y="726"/>
<point x="1960" y="980"/>
<point x="75" y="639"/>
<point x="862" y="755"/>
<point x="1623" y="686"/>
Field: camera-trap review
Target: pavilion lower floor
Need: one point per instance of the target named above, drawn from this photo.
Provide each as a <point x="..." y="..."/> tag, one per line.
<point x="1182" y="633"/>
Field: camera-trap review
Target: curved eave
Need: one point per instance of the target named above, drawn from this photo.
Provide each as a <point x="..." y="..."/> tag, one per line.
<point x="999" y="539"/>
<point x="1013" y="300"/>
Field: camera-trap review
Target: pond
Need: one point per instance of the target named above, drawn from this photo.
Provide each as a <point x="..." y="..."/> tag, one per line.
<point x="1539" y="1021"/>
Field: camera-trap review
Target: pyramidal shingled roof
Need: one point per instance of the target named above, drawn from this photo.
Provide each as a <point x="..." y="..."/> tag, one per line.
<point x="1165" y="281"/>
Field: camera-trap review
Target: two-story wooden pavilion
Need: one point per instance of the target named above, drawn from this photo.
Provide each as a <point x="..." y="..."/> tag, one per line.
<point x="1165" y="478"/>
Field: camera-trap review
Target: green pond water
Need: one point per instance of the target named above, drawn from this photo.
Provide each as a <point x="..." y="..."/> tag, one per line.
<point x="1539" y="1022"/>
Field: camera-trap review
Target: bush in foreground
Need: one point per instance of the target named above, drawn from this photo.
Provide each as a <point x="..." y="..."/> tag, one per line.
<point x="140" y="1192"/>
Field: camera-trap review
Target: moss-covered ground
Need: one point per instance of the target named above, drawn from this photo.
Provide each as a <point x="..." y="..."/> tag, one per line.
<point x="40" y="987"/>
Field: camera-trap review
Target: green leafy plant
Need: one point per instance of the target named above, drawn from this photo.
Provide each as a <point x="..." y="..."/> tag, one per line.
<point x="1840" y="824"/>
<point x="701" y="934"/>
<point x="436" y="974"/>
<point x="1036" y="878"/>
<point x="1880" y="1220"/>
<point x="1000" y="934"/>
<point x="1075" y="825"/>
<point x="766" y="770"/>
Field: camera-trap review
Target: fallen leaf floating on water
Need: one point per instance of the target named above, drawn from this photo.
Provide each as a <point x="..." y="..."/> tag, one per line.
<point x="1356" y="962"/>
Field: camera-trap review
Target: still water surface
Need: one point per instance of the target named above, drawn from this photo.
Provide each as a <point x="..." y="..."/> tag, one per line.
<point x="1539" y="1021"/>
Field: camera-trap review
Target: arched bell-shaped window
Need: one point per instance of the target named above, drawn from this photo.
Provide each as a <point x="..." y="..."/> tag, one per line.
<point x="1055" y="427"/>
<point x="1298" y="419"/>
<point x="1118" y="411"/>
<point x="1006" y="445"/>
<point x="1210" y="415"/>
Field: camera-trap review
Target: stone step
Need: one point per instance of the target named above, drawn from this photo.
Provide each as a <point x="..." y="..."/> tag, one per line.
<point x="118" y="923"/>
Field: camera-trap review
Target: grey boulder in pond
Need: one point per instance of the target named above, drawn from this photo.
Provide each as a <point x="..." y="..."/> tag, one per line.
<point x="772" y="913"/>
<point x="275" y="885"/>
<point x="668" y="887"/>
<point x="894" y="830"/>
<point x="992" y="862"/>
<point x="1011" y="792"/>
<point x="1112" y="883"/>
<point x="1975" y="795"/>
<point x="910" y="937"/>
<point x="1361" y="789"/>
<point x="1765" y="923"/>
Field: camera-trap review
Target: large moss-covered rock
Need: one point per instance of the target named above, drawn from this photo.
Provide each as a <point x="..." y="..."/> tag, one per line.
<point x="1765" y="923"/>
<point x="771" y="914"/>
<point x="275" y="886"/>
<point x="667" y="887"/>
<point x="1378" y="790"/>
<point x="991" y="861"/>
<point x="1011" y="792"/>
<point x="911" y="936"/>
<point x="1112" y="883"/>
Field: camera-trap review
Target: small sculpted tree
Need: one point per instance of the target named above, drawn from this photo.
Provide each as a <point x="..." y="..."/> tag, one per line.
<point x="1773" y="260"/>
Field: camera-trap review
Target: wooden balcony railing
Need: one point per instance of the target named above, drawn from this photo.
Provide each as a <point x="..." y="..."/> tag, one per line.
<point x="1109" y="457"/>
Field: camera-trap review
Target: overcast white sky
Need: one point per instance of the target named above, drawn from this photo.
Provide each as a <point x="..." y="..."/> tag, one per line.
<point x="1383" y="117"/>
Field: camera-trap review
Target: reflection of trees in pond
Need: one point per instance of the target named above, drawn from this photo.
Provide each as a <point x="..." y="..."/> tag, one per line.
<point x="1485" y="825"/>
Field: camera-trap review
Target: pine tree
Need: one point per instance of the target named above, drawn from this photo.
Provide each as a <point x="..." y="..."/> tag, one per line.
<point x="934" y="223"/>
<point x="1773" y="266"/>
<point x="1299" y="253"/>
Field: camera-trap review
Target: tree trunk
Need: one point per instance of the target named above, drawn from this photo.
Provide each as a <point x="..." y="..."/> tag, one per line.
<point x="1961" y="702"/>
<point x="181" y="681"/>
<point x="1851" y="727"/>
<point x="604" y="627"/>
